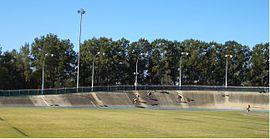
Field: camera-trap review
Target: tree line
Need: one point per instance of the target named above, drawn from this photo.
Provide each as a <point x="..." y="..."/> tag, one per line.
<point x="158" y="63"/>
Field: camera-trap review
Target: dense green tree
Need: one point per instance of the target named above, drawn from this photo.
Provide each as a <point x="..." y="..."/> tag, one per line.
<point x="87" y="52"/>
<point x="110" y="64"/>
<point x="23" y="64"/>
<point x="120" y="63"/>
<point x="212" y="65"/>
<point x="115" y="63"/>
<point x="164" y="62"/>
<point x="156" y="62"/>
<point x="259" y="72"/>
<point x="60" y="68"/>
<point x="4" y="71"/>
<point x="11" y="72"/>
<point x="140" y="51"/>
<point x="238" y="64"/>
<point x="191" y="64"/>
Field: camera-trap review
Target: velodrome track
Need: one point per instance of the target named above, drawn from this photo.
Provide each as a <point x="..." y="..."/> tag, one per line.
<point x="159" y="99"/>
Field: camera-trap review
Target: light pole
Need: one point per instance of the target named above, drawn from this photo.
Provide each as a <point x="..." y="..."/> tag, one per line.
<point x="81" y="12"/>
<point x="43" y="74"/>
<point x="226" y="70"/>
<point x="93" y="69"/>
<point x="180" y="67"/>
<point x="136" y="72"/>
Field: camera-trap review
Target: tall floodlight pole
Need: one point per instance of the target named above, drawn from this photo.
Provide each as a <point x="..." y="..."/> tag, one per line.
<point x="43" y="74"/>
<point x="136" y="72"/>
<point x="81" y="12"/>
<point x="226" y="70"/>
<point x="93" y="70"/>
<point x="180" y="68"/>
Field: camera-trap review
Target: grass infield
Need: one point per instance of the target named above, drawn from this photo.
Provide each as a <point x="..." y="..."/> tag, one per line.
<point x="133" y="122"/>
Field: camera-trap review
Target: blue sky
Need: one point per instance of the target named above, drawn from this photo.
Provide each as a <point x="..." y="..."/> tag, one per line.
<point x="245" y="21"/>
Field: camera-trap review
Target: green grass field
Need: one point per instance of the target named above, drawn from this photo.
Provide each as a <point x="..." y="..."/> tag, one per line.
<point x="83" y="122"/>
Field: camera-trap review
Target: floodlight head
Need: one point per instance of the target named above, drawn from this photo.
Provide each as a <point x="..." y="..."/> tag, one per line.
<point x="81" y="11"/>
<point x="184" y="53"/>
<point x="230" y="56"/>
<point x="49" y="54"/>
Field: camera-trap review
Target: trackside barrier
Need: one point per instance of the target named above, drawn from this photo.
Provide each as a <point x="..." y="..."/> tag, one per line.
<point x="25" y="92"/>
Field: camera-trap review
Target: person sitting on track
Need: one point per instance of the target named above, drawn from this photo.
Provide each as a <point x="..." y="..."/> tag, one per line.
<point x="248" y="108"/>
<point x="149" y="94"/>
<point x="135" y="100"/>
<point x="179" y="97"/>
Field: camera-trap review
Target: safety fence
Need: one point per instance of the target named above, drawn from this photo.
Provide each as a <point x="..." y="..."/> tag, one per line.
<point x="24" y="92"/>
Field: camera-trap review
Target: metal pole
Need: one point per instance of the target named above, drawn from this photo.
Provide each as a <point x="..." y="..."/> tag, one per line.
<point x="226" y="73"/>
<point x="180" y="68"/>
<point x="43" y="66"/>
<point x="93" y="72"/>
<point x="81" y="12"/>
<point x="136" y="73"/>
<point x="43" y="73"/>
<point x="180" y="72"/>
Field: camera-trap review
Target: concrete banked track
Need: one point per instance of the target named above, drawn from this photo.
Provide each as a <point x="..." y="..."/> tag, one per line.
<point x="158" y="99"/>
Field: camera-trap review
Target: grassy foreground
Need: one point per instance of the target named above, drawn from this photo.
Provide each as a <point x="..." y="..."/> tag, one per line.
<point x="83" y="122"/>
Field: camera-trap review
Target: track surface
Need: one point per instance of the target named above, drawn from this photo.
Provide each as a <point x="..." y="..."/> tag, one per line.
<point x="157" y="100"/>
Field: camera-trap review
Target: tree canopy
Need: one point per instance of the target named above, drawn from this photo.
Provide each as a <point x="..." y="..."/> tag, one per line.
<point x="115" y="63"/>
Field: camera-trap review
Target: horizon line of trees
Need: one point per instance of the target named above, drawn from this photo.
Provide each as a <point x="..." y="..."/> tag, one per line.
<point x="158" y="64"/>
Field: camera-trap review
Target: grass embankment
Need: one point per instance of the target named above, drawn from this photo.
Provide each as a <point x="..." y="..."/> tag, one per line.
<point x="82" y="122"/>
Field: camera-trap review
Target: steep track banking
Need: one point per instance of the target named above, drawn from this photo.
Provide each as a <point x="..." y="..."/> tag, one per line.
<point x="157" y="99"/>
